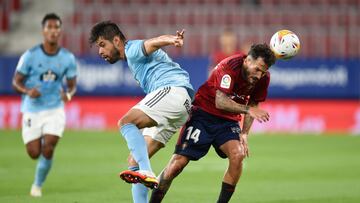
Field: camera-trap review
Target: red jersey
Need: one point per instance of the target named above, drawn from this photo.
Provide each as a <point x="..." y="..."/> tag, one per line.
<point x="227" y="77"/>
<point x="217" y="57"/>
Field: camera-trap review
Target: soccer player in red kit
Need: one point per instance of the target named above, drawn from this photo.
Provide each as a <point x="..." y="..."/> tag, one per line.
<point x="235" y="87"/>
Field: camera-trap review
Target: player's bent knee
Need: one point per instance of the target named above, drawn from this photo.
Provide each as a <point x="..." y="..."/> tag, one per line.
<point x="120" y="123"/>
<point x="48" y="151"/>
<point x="236" y="157"/>
<point x="33" y="153"/>
<point x="123" y="121"/>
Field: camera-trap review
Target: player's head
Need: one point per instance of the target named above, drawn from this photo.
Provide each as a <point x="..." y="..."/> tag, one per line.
<point x="228" y="41"/>
<point x="110" y="41"/>
<point x="51" y="28"/>
<point x="256" y="64"/>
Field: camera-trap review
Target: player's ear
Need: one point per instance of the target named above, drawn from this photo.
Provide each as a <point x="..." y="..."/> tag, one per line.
<point x="117" y="41"/>
<point x="246" y="60"/>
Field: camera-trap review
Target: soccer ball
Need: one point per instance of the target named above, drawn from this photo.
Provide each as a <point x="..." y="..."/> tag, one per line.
<point x="285" y="44"/>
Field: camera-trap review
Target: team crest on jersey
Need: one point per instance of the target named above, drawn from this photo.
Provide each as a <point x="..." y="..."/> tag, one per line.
<point x="225" y="81"/>
<point x="48" y="76"/>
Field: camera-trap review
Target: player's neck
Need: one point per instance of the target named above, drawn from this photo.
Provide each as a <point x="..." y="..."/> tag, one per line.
<point x="50" y="48"/>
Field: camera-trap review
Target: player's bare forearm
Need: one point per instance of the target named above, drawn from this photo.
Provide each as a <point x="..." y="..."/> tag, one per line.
<point x="18" y="83"/>
<point x="151" y="45"/>
<point x="224" y="102"/>
<point x="248" y="120"/>
<point x="71" y="89"/>
<point x="71" y="86"/>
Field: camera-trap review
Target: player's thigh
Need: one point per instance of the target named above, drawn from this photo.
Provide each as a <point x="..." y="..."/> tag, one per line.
<point x="31" y="127"/>
<point x="137" y="117"/>
<point x="195" y="139"/>
<point x="160" y="134"/>
<point x="33" y="148"/>
<point x="54" y="124"/>
<point x="50" y="140"/>
<point x="153" y="145"/>
<point x="227" y="140"/>
<point x="232" y="149"/>
<point x="168" y="106"/>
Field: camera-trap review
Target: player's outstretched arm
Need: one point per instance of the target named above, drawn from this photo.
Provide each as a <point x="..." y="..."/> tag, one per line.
<point x="153" y="44"/>
<point x="224" y="102"/>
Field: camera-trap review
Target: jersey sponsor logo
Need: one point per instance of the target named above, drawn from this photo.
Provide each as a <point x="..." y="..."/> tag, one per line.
<point x="48" y="76"/>
<point x="235" y="130"/>
<point x="225" y="81"/>
<point x="187" y="105"/>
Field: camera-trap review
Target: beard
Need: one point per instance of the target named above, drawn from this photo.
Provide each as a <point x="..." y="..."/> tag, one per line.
<point x="251" y="81"/>
<point x="115" y="56"/>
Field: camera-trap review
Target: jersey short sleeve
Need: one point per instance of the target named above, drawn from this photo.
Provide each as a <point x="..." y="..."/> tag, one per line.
<point x="71" y="69"/>
<point x="136" y="51"/>
<point x="224" y="81"/>
<point x="23" y="65"/>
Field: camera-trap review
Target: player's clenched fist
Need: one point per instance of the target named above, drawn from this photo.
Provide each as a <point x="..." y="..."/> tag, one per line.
<point x="33" y="93"/>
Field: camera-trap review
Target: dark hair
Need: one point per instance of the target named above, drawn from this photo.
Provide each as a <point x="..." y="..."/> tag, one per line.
<point x="106" y="29"/>
<point x="50" y="16"/>
<point x="263" y="51"/>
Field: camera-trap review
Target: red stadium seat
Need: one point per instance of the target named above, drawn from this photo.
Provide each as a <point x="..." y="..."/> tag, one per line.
<point x="204" y="20"/>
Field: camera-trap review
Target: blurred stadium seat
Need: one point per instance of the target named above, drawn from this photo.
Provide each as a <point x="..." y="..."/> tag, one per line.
<point x="6" y="8"/>
<point x="329" y="28"/>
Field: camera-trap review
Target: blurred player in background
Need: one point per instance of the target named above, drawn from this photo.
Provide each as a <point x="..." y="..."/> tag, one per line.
<point x="228" y="47"/>
<point x="164" y="109"/>
<point x="235" y="87"/>
<point x="38" y="77"/>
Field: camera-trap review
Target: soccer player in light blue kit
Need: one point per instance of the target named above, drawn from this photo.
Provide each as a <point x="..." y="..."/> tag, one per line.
<point x="164" y="109"/>
<point x="38" y="77"/>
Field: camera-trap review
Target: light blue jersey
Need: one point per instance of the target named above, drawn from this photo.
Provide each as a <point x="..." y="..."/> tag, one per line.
<point x="156" y="70"/>
<point x="46" y="73"/>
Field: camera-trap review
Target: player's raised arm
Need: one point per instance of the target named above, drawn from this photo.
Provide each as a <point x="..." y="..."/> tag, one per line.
<point x="153" y="44"/>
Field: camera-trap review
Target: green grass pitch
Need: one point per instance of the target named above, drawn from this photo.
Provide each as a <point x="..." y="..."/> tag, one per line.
<point x="281" y="169"/>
